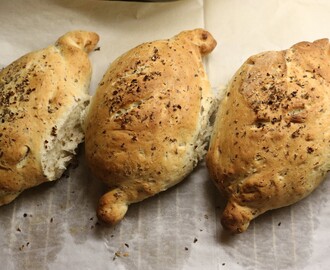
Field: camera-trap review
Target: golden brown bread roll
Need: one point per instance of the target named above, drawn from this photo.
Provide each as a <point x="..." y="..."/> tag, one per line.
<point x="42" y="97"/>
<point x="270" y="144"/>
<point x="148" y="123"/>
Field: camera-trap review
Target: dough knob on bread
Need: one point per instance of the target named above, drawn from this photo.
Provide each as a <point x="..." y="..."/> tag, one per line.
<point x="83" y="40"/>
<point x="148" y="124"/>
<point x="113" y="206"/>
<point x="201" y="38"/>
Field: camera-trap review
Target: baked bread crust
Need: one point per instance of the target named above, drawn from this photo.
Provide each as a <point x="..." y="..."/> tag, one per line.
<point x="38" y="93"/>
<point x="148" y="122"/>
<point x="270" y="144"/>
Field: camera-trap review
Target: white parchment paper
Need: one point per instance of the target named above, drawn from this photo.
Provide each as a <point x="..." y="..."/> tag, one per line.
<point x="54" y="226"/>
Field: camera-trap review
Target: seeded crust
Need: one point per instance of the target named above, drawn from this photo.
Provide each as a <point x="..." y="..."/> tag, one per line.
<point x="148" y="123"/>
<point x="42" y="96"/>
<point x="270" y="144"/>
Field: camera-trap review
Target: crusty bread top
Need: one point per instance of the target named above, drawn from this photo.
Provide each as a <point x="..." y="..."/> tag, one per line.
<point x="270" y="145"/>
<point x="147" y="114"/>
<point x="37" y="92"/>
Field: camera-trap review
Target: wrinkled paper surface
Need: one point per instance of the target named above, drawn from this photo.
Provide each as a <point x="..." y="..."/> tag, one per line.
<point x="54" y="226"/>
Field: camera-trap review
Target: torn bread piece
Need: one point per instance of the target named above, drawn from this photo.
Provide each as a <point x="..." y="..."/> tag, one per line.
<point x="270" y="143"/>
<point x="42" y="97"/>
<point x="148" y="124"/>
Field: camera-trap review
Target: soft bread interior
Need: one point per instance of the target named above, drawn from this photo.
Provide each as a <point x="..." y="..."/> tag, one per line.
<point x="204" y="126"/>
<point x="204" y="130"/>
<point x="60" y="146"/>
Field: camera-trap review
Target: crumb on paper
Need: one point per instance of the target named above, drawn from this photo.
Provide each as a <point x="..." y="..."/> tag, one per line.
<point x="23" y="246"/>
<point x="195" y="240"/>
<point x="121" y="251"/>
<point x="119" y="254"/>
<point x="279" y="224"/>
<point x="97" y="49"/>
<point x="93" y="225"/>
<point x="185" y="248"/>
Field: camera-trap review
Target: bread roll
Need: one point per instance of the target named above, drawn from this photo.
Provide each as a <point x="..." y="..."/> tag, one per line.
<point x="42" y="97"/>
<point x="148" y="123"/>
<point x="270" y="144"/>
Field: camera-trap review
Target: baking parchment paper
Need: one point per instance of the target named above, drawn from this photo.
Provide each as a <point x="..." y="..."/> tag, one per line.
<point x="54" y="226"/>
